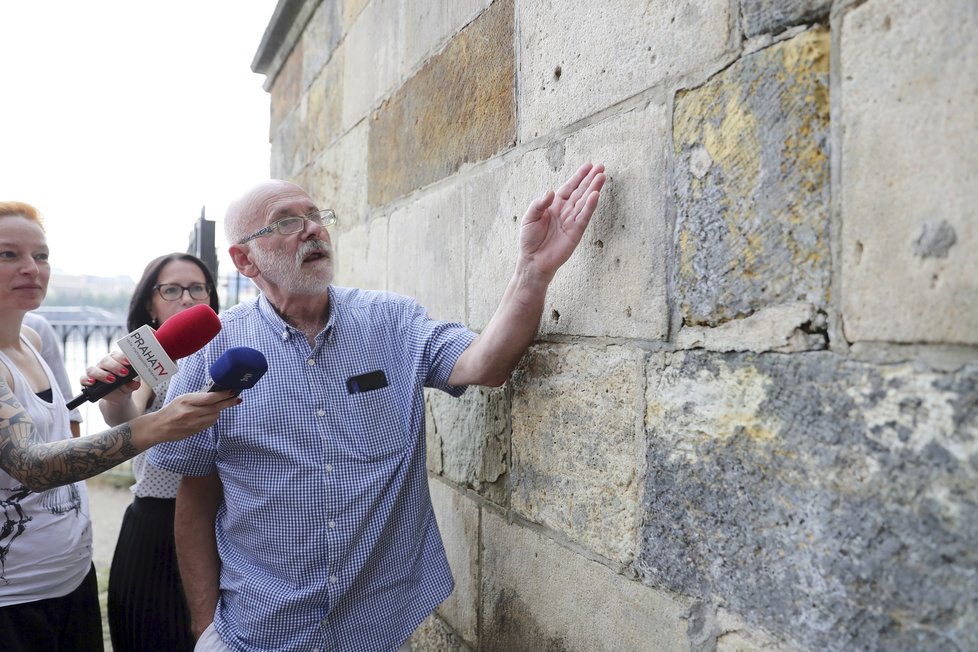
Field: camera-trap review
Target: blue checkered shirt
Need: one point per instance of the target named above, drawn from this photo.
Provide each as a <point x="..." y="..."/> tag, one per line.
<point x="326" y="534"/>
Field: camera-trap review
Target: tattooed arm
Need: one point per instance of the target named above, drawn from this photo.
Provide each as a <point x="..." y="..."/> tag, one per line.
<point x="43" y="465"/>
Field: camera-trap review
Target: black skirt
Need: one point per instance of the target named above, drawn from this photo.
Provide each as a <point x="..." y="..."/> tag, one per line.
<point x="147" y="608"/>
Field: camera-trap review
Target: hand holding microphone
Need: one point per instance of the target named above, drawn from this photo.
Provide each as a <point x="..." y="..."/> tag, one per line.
<point x="178" y="337"/>
<point x="237" y="369"/>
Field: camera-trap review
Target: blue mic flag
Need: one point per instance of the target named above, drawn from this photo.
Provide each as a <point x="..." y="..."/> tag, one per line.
<point x="238" y="368"/>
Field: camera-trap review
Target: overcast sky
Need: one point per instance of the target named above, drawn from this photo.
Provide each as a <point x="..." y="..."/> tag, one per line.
<point x="119" y="120"/>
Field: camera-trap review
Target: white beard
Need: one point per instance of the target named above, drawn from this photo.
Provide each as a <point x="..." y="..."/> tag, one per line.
<point x="289" y="274"/>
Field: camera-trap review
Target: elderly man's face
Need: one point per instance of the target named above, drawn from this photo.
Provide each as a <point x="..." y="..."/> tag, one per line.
<point x="298" y="263"/>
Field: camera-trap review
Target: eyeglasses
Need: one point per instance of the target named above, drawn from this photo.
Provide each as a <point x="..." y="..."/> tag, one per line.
<point x="174" y="291"/>
<point x="291" y="225"/>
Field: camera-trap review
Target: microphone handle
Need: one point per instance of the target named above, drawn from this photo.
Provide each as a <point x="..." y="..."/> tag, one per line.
<point x="99" y="390"/>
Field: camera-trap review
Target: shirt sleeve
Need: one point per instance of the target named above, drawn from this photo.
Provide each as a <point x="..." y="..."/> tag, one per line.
<point x="442" y="343"/>
<point x="196" y="454"/>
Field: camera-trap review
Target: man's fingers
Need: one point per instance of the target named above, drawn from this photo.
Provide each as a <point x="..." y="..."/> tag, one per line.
<point x="574" y="182"/>
<point x="590" y="195"/>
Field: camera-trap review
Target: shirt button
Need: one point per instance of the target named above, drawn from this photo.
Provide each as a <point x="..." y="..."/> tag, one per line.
<point x="329" y="467"/>
<point x="333" y="579"/>
<point x="320" y="413"/>
<point x="332" y="523"/>
<point x="310" y="362"/>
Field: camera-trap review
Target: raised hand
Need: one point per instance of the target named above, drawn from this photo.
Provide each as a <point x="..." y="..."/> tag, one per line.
<point x="553" y="225"/>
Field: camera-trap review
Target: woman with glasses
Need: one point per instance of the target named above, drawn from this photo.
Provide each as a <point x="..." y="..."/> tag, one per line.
<point x="48" y="587"/>
<point x="147" y="610"/>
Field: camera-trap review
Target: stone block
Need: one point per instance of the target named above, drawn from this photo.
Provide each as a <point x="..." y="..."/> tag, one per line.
<point x="760" y="16"/>
<point x="371" y="67"/>
<point x="337" y="179"/>
<point x="361" y="256"/>
<point x="577" y="464"/>
<point x="459" y="108"/>
<point x="324" y="108"/>
<point x="351" y="11"/>
<point x="472" y="438"/>
<point x="752" y="184"/>
<point x="786" y="328"/>
<point x="286" y="91"/>
<point x="289" y="145"/>
<point x="827" y="501"/>
<point x="458" y="522"/>
<point x="433" y="635"/>
<point x="428" y="24"/>
<point x="577" y="59"/>
<point x="320" y="38"/>
<point x="539" y="596"/>
<point x="426" y="256"/>
<point x="615" y="283"/>
<point x="909" y="186"/>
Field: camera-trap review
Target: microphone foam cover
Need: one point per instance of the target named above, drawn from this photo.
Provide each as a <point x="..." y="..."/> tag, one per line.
<point x="238" y="368"/>
<point x="188" y="331"/>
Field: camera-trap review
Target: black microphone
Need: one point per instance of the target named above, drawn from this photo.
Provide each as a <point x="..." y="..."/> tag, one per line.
<point x="238" y="368"/>
<point x="179" y="336"/>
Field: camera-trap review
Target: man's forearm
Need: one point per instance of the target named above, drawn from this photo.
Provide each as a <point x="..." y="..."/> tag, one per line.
<point x="493" y="355"/>
<point x="196" y="544"/>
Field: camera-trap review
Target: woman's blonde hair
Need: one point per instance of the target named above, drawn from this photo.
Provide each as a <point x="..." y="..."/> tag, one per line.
<point x="14" y="208"/>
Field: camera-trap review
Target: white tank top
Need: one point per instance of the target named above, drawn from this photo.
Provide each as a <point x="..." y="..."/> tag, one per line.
<point x="45" y="538"/>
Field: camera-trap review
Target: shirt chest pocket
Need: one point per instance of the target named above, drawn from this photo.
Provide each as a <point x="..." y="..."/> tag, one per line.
<point x="375" y="425"/>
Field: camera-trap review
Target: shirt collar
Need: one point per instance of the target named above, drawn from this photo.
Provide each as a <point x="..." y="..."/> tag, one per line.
<point x="285" y="330"/>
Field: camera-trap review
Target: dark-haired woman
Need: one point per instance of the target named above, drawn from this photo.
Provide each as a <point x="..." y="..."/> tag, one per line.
<point x="147" y="609"/>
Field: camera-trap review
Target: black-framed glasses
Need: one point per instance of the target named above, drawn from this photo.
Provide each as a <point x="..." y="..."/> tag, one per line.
<point x="174" y="291"/>
<point x="290" y="225"/>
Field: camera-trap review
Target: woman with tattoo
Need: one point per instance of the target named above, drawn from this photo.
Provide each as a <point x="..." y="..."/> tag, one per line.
<point x="147" y="609"/>
<point x="48" y="591"/>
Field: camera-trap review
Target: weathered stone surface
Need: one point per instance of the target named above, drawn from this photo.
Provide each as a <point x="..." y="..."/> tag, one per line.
<point x="337" y="179"/>
<point x="576" y="459"/>
<point x="472" y="435"/>
<point x="786" y="328"/>
<point x="361" y="256"/>
<point x="323" y="111"/>
<point x="428" y="24"/>
<point x="760" y="16"/>
<point x="351" y="11"/>
<point x="458" y="522"/>
<point x="752" y="184"/>
<point x="433" y="635"/>
<point x="287" y="89"/>
<point x="459" y="108"/>
<point x="289" y="148"/>
<point x="372" y="67"/>
<point x="909" y="181"/>
<point x="320" y="38"/>
<point x="735" y="635"/>
<point x="539" y="596"/>
<point x="615" y="283"/>
<point x="828" y="501"/>
<point x="429" y="230"/>
<point x="578" y="58"/>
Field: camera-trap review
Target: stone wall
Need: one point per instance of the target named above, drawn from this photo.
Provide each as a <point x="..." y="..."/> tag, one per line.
<point x="750" y="419"/>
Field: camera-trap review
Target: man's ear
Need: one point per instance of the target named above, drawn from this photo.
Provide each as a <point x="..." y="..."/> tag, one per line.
<point x="242" y="260"/>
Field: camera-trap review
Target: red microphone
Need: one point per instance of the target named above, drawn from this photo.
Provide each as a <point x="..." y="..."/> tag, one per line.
<point x="179" y="336"/>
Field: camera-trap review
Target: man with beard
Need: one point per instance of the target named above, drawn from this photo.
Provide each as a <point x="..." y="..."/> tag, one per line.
<point x="303" y="519"/>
